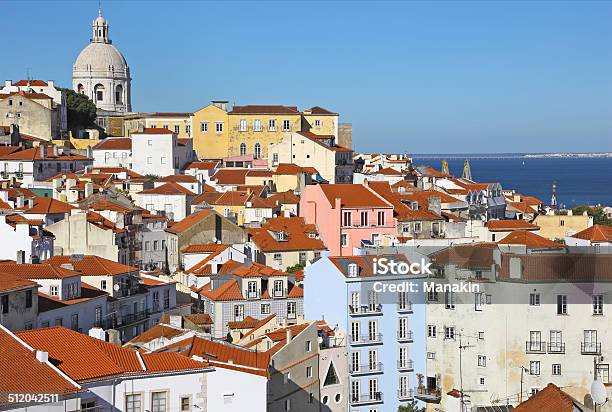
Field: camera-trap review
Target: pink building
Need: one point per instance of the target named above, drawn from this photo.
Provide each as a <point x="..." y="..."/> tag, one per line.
<point x="346" y="214"/>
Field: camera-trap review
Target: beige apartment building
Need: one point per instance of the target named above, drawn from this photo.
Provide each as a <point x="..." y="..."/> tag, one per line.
<point x="560" y="226"/>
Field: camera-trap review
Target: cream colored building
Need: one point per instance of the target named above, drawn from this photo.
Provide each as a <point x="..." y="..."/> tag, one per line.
<point x="36" y="114"/>
<point x="179" y="123"/>
<point x="561" y="226"/>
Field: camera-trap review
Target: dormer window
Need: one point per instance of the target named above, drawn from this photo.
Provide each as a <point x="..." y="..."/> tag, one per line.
<point x="281" y="236"/>
<point x="312" y="235"/>
<point x="353" y="270"/>
<point x="415" y="205"/>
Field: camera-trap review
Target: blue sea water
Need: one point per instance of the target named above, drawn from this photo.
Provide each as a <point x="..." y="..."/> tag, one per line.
<point x="580" y="181"/>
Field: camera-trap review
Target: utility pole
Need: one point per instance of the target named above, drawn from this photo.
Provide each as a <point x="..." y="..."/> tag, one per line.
<point x="461" y="348"/>
<point x="523" y="369"/>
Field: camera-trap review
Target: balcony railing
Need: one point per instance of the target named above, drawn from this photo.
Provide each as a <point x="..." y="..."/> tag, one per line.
<point x="405" y="307"/>
<point x="370" y="339"/>
<point x="405" y="394"/>
<point x="375" y="397"/>
<point x="253" y="294"/>
<point x="405" y="365"/>
<point x="279" y="293"/>
<point x="365" y="310"/>
<point x="405" y="336"/>
<point x="590" y="348"/>
<point x="535" y="347"/>
<point x="556" y="347"/>
<point x="291" y="315"/>
<point x="430" y="395"/>
<point x="366" y="369"/>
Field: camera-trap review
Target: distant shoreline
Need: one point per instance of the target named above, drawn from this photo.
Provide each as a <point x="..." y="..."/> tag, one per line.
<point x="600" y="155"/>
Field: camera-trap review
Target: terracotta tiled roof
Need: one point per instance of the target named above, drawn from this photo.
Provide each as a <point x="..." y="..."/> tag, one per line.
<point x="401" y="211"/>
<point x="230" y="176"/>
<point x="365" y="263"/>
<point x="255" y="270"/>
<point x="91" y="265"/>
<point x="521" y="207"/>
<point x="29" y="95"/>
<point x="318" y="110"/>
<point x="389" y="172"/>
<point x="34" y="153"/>
<point x="31" y="83"/>
<point x="206" y="197"/>
<point x="208" y="248"/>
<point x="288" y="169"/>
<point x="27" y="374"/>
<point x="46" y="270"/>
<point x="280" y="335"/>
<point x="105" y="204"/>
<point x="168" y="114"/>
<point x="471" y="256"/>
<point x="550" y="399"/>
<point x="102" y="222"/>
<point x="47" y="205"/>
<point x="233" y="198"/>
<point x="595" y="233"/>
<point x="114" y="143"/>
<point x="296" y="292"/>
<point x="170" y="188"/>
<point x="529" y="239"/>
<point x="155" y="130"/>
<point x="190" y="221"/>
<point x="10" y="282"/>
<point x="353" y="196"/>
<point x="7" y="150"/>
<point x="171" y="361"/>
<point x="247" y="323"/>
<point x="296" y="234"/>
<point x="158" y="331"/>
<point x="206" y="165"/>
<point x="260" y="173"/>
<point x="200" y="318"/>
<point x="179" y="179"/>
<point x="560" y="267"/>
<point x="116" y="170"/>
<point x="264" y="109"/>
<point x="284" y="198"/>
<point x="505" y="225"/>
<point x="228" y="291"/>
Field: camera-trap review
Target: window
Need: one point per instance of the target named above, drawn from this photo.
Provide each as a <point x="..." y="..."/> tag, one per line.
<point x="188" y="129"/>
<point x="449" y="332"/>
<point x="291" y="310"/>
<point x="402" y="332"/>
<point x="257" y="151"/>
<point x="308" y="346"/>
<point x="344" y="240"/>
<point x="317" y="123"/>
<point x="239" y="312"/>
<point x="479" y="301"/>
<point x="449" y="299"/>
<point x="166" y="298"/>
<point x="103" y="284"/>
<point x="4" y="302"/>
<point x="165" y="126"/>
<point x="363" y="218"/>
<point x="99" y="92"/>
<point x="158" y="402"/>
<point x="275" y="158"/>
<point x="346" y="218"/>
<point x="257" y="125"/>
<point x="265" y="308"/>
<point x="149" y="160"/>
<point x="74" y="322"/>
<point x="355" y="390"/>
<point x="287" y="404"/>
<point x="177" y="129"/>
<point x="243" y="149"/>
<point x="286" y="125"/>
<point x="481" y="335"/>
<point x="243" y="125"/>
<point x="373" y="360"/>
<point x="204" y="127"/>
<point x="331" y="378"/>
<point x="431" y="355"/>
<point x="534" y="367"/>
<point x="309" y="371"/>
<point x="133" y="403"/>
<point x="417" y="227"/>
<point x="278" y="288"/>
<point x="432" y="296"/>
<point x="603" y="372"/>
<point x="561" y="304"/>
<point x="534" y="299"/>
<point x="28" y="299"/>
<point x="556" y="369"/>
<point x="353" y="270"/>
<point x="380" y="218"/>
<point x="373" y="388"/>
<point x="272" y="125"/>
<point x="219" y="127"/>
<point x="403" y="357"/>
<point x="431" y="331"/>
<point x="481" y="381"/>
<point x="482" y="361"/>
<point x="598" y="304"/>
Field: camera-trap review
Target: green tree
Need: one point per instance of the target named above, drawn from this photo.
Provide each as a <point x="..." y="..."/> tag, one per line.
<point x="412" y="406"/>
<point x="295" y="268"/>
<point x="81" y="111"/>
<point x="599" y="216"/>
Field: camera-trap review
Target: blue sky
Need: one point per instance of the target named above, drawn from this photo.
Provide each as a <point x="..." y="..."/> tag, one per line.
<point x="416" y="77"/>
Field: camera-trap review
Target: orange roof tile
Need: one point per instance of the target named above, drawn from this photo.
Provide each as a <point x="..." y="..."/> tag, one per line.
<point x="549" y="399"/>
<point x="264" y="109"/>
<point x="91" y="265"/>
<point x="46" y="205"/>
<point x="179" y="179"/>
<point x="230" y="176"/>
<point x="505" y="225"/>
<point x="320" y="111"/>
<point x="595" y="233"/>
<point x="202" y="165"/>
<point x="155" y="130"/>
<point x="297" y="235"/>
<point x="353" y="196"/>
<point x="10" y="282"/>
<point x="190" y="221"/>
<point x="529" y="239"/>
<point x="228" y="291"/>
<point x="46" y="270"/>
<point x="114" y="143"/>
<point x="170" y="188"/>
<point x="31" y="83"/>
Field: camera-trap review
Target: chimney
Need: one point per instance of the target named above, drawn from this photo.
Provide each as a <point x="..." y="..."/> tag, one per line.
<point x="176" y="321"/>
<point x="97" y="333"/>
<point x="89" y="188"/>
<point x="55" y="150"/>
<point x="68" y="266"/>
<point x="89" y="152"/>
<point x="113" y="336"/>
<point x="30" y="203"/>
<point x="20" y="201"/>
<point x="20" y="257"/>
<point x="289" y="335"/>
<point x="43" y="151"/>
<point x="8" y="83"/>
<point x="42" y="357"/>
<point x="140" y="128"/>
<point x="51" y="83"/>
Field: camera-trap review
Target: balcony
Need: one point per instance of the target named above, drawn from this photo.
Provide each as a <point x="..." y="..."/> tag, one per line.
<point x="375" y="397"/>
<point x="371" y="339"/>
<point x="590" y="348"/>
<point x="535" y="347"/>
<point x="556" y="347"/>
<point x="405" y="307"/>
<point x="405" y="336"/>
<point x="405" y="394"/>
<point x="405" y="365"/>
<point x="367" y="369"/>
<point x="429" y="395"/>
<point x="365" y="310"/>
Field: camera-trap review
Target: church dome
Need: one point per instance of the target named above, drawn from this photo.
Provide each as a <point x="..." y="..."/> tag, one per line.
<point x="101" y="57"/>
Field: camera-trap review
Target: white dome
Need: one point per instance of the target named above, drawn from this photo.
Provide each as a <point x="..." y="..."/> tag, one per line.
<point x="100" y="57"/>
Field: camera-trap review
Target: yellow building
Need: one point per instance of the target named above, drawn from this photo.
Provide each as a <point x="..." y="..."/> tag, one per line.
<point x="560" y="226"/>
<point x="179" y="123"/>
<point x="250" y="130"/>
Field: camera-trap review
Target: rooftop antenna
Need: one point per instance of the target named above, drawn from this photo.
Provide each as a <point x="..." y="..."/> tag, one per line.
<point x="99" y="8"/>
<point x="467" y="171"/>
<point x="553" y="198"/>
<point x="445" y="167"/>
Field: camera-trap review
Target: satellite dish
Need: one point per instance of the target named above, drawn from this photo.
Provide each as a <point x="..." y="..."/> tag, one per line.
<point x="598" y="392"/>
<point x="116" y="287"/>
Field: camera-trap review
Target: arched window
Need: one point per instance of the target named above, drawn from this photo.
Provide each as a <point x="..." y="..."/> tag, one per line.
<point x="257" y="150"/>
<point x="242" y="149"/>
<point x="119" y="94"/>
<point x="99" y="92"/>
<point x="80" y="89"/>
